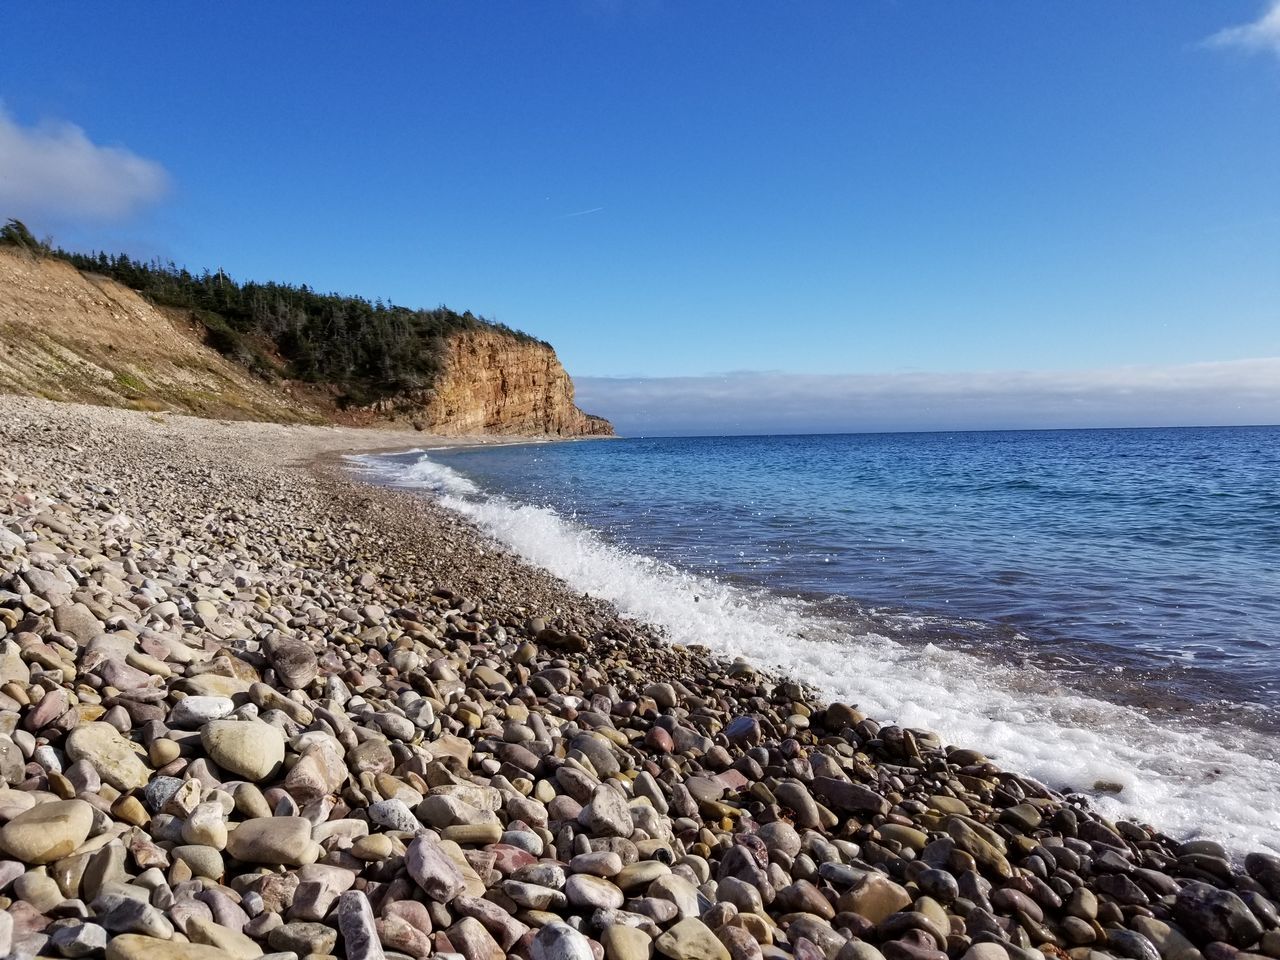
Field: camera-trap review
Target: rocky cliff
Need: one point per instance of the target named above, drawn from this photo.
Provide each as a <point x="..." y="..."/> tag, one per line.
<point x="492" y="383"/>
<point x="68" y="335"/>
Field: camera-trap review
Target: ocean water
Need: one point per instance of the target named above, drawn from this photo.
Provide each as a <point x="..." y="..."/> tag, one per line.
<point x="1099" y="609"/>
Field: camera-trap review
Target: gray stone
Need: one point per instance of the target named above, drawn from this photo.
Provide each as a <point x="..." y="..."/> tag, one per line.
<point x="80" y="940"/>
<point x="559" y="941"/>
<point x="433" y="871"/>
<point x="393" y="814"/>
<point x="607" y="814"/>
<point x="355" y="922"/>
<point x="1208" y="913"/>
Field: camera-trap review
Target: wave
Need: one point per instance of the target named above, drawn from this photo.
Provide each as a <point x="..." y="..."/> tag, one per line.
<point x="1187" y="780"/>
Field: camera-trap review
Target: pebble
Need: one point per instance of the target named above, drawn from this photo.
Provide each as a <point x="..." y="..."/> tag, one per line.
<point x="247" y="749"/>
<point x="691" y="939"/>
<point x="233" y="943"/>
<point x="355" y="922"/>
<point x="47" y="832"/>
<point x="279" y="714"/>
<point x="132" y="946"/>
<point x="559" y="941"/>
<point x="1213" y="914"/>
<point x="79" y="940"/>
<point x="607" y="813"/>
<point x="273" y="840"/>
<point x="303" y="938"/>
<point x="113" y="757"/>
<point x="583" y="890"/>
<point x="192" y="712"/>
<point x="433" y="871"/>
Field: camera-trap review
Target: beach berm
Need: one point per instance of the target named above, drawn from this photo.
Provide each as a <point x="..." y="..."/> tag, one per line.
<point x="251" y="706"/>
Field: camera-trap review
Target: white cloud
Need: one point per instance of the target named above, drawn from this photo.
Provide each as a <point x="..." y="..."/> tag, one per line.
<point x="1262" y="35"/>
<point x="1228" y="392"/>
<point x="53" y="170"/>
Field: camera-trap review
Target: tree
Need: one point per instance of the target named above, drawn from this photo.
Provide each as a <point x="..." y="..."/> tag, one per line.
<point x="15" y="234"/>
<point x="366" y="349"/>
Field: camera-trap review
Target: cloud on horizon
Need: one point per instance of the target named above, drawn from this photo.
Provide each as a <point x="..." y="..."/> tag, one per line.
<point x="1200" y="394"/>
<point x="1262" y="35"/>
<point x="54" y="171"/>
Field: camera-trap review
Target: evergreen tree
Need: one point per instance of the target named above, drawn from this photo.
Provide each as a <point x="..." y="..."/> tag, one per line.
<point x="367" y="349"/>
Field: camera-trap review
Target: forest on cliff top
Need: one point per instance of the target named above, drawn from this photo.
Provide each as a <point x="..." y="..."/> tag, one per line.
<point x="365" y="349"/>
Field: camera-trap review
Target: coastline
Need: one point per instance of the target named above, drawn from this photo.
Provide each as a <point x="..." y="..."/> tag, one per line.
<point x="1196" y="779"/>
<point x="709" y="808"/>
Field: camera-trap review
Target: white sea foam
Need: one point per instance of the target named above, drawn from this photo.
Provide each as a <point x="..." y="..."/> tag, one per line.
<point x="1186" y="780"/>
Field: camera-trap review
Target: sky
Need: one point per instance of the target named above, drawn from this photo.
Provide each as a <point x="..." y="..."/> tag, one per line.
<point x="730" y="209"/>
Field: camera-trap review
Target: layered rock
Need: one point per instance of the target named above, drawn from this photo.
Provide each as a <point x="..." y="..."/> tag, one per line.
<point x="491" y="382"/>
<point x="70" y="336"/>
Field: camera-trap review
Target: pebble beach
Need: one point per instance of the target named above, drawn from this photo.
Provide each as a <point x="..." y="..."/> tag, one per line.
<point x="251" y="706"/>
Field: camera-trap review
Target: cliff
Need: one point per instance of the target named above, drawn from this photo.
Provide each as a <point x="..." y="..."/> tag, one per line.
<point x="76" y="336"/>
<point x="491" y="383"/>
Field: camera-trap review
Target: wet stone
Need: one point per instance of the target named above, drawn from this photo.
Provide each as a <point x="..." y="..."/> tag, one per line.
<point x="1211" y="914"/>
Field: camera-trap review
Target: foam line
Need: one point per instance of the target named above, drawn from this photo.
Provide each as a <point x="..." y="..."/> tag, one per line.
<point x="1186" y="780"/>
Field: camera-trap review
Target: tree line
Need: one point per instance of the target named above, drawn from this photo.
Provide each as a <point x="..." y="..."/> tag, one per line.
<point x="368" y="349"/>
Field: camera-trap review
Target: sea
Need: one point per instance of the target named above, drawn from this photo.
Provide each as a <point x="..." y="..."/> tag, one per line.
<point x="1097" y="609"/>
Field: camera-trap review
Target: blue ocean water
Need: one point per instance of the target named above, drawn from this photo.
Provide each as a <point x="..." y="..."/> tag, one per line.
<point x="1062" y="585"/>
<point x="1155" y="550"/>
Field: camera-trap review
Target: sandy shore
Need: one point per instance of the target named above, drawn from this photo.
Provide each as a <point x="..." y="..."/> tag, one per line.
<point x="251" y="706"/>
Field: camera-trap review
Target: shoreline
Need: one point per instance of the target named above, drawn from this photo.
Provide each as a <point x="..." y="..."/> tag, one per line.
<point x="1110" y="666"/>
<point x="1196" y="780"/>
<point x="474" y="752"/>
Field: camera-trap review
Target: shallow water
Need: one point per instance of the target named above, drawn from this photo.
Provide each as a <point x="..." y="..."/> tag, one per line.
<point x="1087" y="606"/>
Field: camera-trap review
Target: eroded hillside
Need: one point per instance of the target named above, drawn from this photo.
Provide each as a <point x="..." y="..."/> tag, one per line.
<point x="65" y="335"/>
<point x="78" y="336"/>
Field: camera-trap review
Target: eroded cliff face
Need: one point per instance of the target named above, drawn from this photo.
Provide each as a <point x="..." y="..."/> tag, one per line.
<point x="66" y="335"/>
<point x="493" y="383"/>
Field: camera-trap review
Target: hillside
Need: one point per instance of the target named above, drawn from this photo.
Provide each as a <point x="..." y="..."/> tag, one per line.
<point x="76" y="337"/>
<point x="208" y="346"/>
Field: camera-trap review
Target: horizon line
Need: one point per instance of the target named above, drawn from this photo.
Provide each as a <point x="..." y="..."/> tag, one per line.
<point x="867" y="433"/>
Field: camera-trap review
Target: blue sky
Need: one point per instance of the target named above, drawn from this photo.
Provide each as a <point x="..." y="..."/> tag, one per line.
<point x="669" y="189"/>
